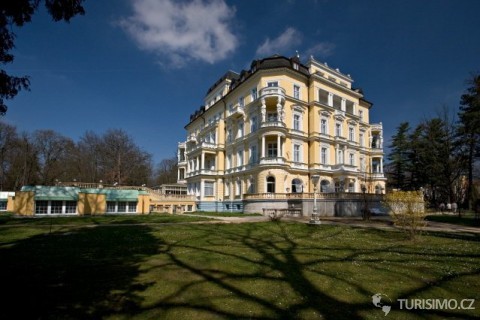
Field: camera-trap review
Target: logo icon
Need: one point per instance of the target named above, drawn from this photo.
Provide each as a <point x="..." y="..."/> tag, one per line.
<point x="377" y="302"/>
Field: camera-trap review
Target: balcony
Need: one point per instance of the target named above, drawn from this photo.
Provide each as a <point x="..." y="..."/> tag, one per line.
<point x="299" y="165"/>
<point x="272" y="161"/>
<point x="205" y="172"/>
<point x="272" y="92"/>
<point x="237" y="110"/>
<point x="203" y="145"/>
<point x="273" y="124"/>
<point x="344" y="167"/>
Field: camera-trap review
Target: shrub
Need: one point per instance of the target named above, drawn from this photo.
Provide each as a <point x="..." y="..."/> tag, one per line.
<point x="407" y="209"/>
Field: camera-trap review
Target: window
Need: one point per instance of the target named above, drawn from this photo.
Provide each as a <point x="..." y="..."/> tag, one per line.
<point x="360" y="114"/>
<point x="337" y="102"/>
<point x="352" y="159"/>
<point x="238" y="188"/>
<point x="254" y="94"/>
<point x="41" y="207"/>
<point x="132" y="206"/>
<point x="253" y="124"/>
<point x="297" y="122"/>
<point x="208" y="188"/>
<point x="253" y="154"/>
<point x="323" y="126"/>
<point x="324" y="185"/>
<point x="340" y="156"/>
<point x="272" y="117"/>
<point x="296" y="153"/>
<point x="70" y="207"/>
<point x="111" y="206"/>
<point x="323" y="96"/>
<point x="229" y="135"/>
<point x="240" y="158"/>
<point x="338" y="129"/>
<point x="296" y="91"/>
<point x="271" y="184"/>
<point x="241" y="101"/>
<point x="122" y="206"/>
<point x="323" y="155"/>
<point x="351" y="187"/>
<point x="272" y="84"/>
<point x="3" y="205"/>
<point x="272" y="150"/>
<point x="229" y="161"/>
<point x="361" y="138"/>
<point x="240" y="129"/>
<point x="230" y="108"/>
<point x="351" y="135"/>
<point x="227" y="189"/>
<point x="297" y="186"/>
<point x="295" y="66"/>
<point x="251" y="186"/>
<point x="56" y="207"/>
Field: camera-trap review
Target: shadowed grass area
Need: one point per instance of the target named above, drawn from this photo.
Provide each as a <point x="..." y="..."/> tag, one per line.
<point x="252" y="270"/>
<point x="9" y="219"/>
<point x="466" y="219"/>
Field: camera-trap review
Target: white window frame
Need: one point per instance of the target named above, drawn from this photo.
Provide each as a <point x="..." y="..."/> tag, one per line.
<point x="297" y="152"/>
<point x="324" y="155"/>
<point x="297" y="121"/>
<point x="296" y="91"/>
<point x="208" y="188"/>
<point x="324" y="129"/>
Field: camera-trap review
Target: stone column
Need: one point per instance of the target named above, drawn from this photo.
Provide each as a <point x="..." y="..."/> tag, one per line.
<point x="263" y="146"/>
<point x="279" y="146"/>
<point x="263" y="111"/>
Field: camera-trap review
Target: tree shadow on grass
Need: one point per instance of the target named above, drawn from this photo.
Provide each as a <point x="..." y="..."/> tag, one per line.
<point x="75" y="273"/>
<point x="289" y="263"/>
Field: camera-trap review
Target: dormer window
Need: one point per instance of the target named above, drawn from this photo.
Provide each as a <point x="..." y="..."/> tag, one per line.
<point x="295" y="66"/>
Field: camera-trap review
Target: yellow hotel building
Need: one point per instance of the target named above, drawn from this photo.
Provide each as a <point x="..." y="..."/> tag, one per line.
<point x="264" y="132"/>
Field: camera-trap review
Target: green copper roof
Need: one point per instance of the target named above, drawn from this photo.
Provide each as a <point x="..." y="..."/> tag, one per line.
<point x="71" y="193"/>
<point x="53" y="193"/>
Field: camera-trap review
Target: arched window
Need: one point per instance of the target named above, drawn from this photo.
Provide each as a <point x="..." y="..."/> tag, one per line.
<point x="324" y="185"/>
<point x="297" y="186"/>
<point x="378" y="189"/>
<point x="271" y="184"/>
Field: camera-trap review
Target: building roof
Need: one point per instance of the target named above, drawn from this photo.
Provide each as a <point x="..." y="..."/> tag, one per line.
<point x="53" y="193"/>
<point x="71" y="193"/>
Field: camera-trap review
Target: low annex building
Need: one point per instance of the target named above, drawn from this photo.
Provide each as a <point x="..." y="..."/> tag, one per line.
<point x="65" y="200"/>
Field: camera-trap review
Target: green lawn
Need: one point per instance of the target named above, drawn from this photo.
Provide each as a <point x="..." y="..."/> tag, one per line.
<point x="99" y="219"/>
<point x="226" y="214"/>
<point x="208" y="271"/>
<point x="467" y="219"/>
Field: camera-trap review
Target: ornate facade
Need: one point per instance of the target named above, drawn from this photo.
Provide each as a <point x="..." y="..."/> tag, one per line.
<point x="264" y="132"/>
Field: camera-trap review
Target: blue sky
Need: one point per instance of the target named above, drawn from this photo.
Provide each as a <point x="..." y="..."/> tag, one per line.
<point x="143" y="65"/>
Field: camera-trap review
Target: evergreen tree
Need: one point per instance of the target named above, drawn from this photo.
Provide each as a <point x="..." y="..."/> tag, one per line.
<point x="399" y="157"/>
<point x="469" y="130"/>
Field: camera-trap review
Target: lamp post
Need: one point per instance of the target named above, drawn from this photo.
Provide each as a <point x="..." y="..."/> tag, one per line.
<point x="315" y="219"/>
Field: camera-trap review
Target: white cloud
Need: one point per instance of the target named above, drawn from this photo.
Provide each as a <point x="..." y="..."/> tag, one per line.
<point x="181" y="31"/>
<point x="322" y="50"/>
<point x="284" y="42"/>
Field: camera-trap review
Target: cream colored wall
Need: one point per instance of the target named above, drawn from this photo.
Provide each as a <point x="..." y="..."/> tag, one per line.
<point x="11" y="204"/>
<point x="24" y="203"/>
<point x="91" y="203"/>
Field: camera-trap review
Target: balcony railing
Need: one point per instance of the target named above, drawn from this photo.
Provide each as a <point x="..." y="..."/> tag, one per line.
<point x="273" y="124"/>
<point x="272" y="160"/>
<point x="236" y="110"/>
<point x="272" y="92"/>
<point x="309" y="195"/>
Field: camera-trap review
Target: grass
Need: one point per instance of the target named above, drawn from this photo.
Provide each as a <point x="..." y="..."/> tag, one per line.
<point x="226" y="214"/>
<point x="252" y="270"/>
<point x="467" y="219"/>
<point x="8" y="219"/>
